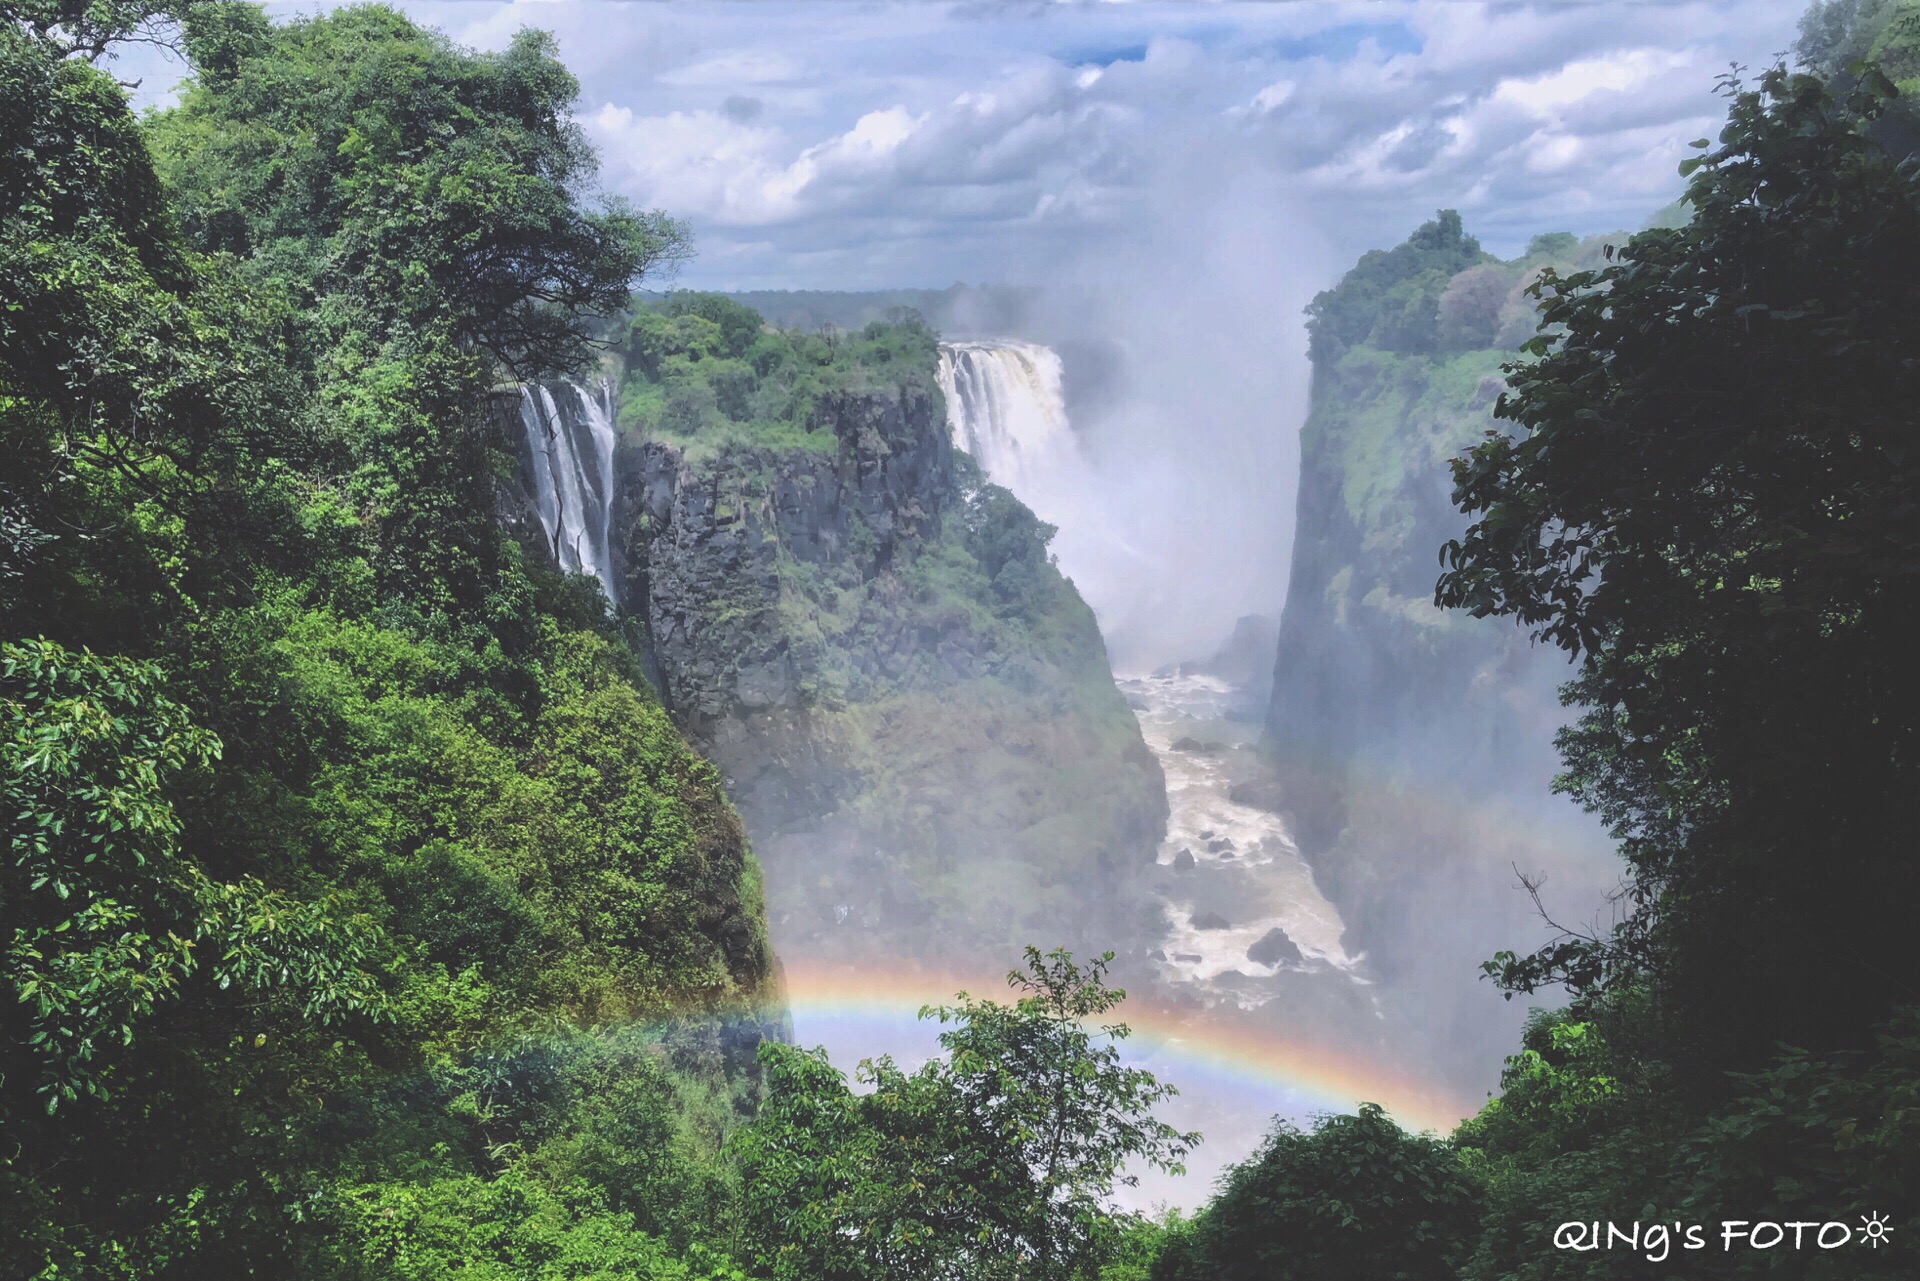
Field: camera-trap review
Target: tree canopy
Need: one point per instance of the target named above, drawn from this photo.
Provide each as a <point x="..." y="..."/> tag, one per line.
<point x="1706" y="497"/>
<point x="997" y="1161"/>
<point x="329" y="809"/>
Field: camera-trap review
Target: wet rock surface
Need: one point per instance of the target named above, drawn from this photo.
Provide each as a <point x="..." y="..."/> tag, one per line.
<point x="1274" y="948"/>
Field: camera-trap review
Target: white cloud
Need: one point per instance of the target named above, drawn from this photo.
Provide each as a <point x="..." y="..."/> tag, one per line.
<point x="1274" y="96"/>
<point x="703" y="164"/>
<point x="1545" y="95"/>
<point x="736" y="69"/>
<point x="830" y="144"/>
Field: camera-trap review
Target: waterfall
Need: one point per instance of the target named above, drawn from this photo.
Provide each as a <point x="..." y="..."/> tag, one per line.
<point x="570" y="440"/>
<point x="1004" y="406"/>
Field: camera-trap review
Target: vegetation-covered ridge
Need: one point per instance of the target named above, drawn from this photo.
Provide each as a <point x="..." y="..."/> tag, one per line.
<point x="914" y="708"/>
<point x="364" y="915"/>
<point x="1407" y="351"/>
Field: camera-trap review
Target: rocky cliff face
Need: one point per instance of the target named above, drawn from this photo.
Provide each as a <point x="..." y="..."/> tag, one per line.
<point x="1411" y="748"/>
<point x="713" y="545"/>
<point x="912" y="709"/>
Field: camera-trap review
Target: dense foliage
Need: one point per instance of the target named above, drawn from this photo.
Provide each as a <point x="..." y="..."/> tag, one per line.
<point x="705" y="371"/>
<point x="334" y="820"/>
<point x="1840" y="38"/>
<point x="1703" y="492"/>
<point x="1355" y="1197"/>
<point x="1708" y="500"/>
<point x="1392" y="299"/>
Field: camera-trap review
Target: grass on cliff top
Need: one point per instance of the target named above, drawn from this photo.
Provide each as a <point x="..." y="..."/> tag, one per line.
<point x="706" y="373"/>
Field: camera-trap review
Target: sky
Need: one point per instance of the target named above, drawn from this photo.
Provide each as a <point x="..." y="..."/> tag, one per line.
<point x="1178" y="180"/>
<point x="863" y="145"/>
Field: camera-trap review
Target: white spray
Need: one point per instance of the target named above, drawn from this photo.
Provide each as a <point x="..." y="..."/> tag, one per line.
<point x="572" y="451"/>
<point x="1006" y="408"/>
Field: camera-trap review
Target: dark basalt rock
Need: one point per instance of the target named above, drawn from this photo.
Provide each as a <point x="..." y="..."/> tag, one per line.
<point x="1273" y="948"/>
<point x="1188" y="958"/>
<point x="1211" y="921"/>
<point x="764" y="587"/>
<point x="1183" y="861"/>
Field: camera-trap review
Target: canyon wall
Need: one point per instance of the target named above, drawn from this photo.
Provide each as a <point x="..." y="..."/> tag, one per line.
<point x="1411" y="747"/>
<point x="911" y="707"/>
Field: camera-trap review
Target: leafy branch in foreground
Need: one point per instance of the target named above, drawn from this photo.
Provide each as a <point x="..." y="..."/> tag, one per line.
<point x="998" y="1161"/>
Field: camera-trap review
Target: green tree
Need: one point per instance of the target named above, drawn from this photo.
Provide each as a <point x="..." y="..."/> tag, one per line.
<point x="104" y="916"/>
<point x="320" y="792"/>
<point x="1838" y="36"/>
<point x="1705" y="497"/>
<point x="1391" y="298"/>
<point x="1468" y="311"/>
<point x="427" y="218"/>
<point x="1354" y="1199"/>
<point x="998" y="1161"/>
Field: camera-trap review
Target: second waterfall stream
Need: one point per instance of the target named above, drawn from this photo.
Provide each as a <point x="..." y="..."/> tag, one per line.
<point x="570" y="441"/>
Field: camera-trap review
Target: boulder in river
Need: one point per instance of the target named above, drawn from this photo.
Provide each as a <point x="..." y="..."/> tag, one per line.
<point x="1211" y="921"/>
<point x="1274" y="947"/>
<point x="1259" y="793"/>
<point x="1183" y="861"/>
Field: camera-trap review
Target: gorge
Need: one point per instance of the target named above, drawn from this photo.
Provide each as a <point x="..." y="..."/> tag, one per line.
<point x="850" y="610"/>
<point x="511" y="778"/>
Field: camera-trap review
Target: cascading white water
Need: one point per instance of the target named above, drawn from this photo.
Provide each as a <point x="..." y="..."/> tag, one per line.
<point x="1005" y="407"/>
<point x="571" y="442"/>
<point x="1237" y="878"/>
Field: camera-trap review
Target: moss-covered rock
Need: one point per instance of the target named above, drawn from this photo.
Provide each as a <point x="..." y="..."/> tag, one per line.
<point x="1409" y="746"/>
<point x="913" y="709"/>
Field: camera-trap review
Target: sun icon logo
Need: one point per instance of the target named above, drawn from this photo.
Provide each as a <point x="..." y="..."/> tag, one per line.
<point x="1874" y="1228"/>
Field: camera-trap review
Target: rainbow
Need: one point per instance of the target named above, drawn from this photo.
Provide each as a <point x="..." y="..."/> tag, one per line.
<point x="1175" y="1044"/>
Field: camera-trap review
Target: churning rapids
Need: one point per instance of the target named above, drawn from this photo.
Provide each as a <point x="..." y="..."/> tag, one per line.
<point x="1244" y="908"/>
<point x="1241" y="907"/>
